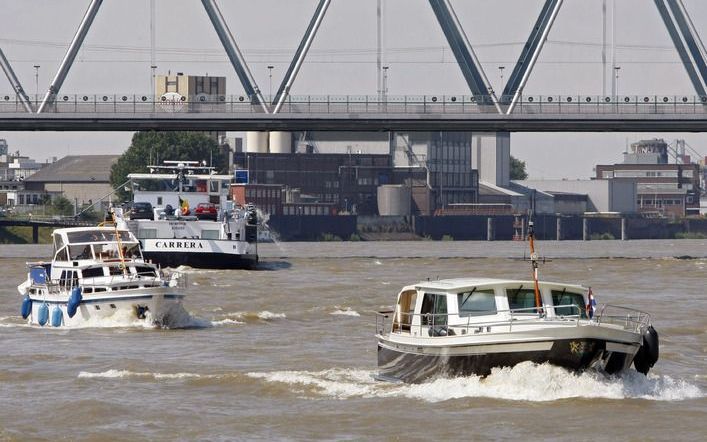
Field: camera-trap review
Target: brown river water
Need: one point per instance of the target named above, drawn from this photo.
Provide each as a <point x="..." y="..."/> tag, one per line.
<point x="288" y="353"/>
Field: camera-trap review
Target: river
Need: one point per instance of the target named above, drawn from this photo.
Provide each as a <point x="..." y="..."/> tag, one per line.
<point x="288" y="353"/>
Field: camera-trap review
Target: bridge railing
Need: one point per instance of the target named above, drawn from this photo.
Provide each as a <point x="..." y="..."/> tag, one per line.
<point x="363" y="104"/>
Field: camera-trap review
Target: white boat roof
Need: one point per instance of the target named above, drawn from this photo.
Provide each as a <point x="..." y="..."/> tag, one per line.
<point x="456" y="284"/>
<point x="87" y="229"/>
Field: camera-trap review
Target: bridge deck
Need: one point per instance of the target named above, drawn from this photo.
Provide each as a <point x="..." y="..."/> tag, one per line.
<point x="423" y="113"/>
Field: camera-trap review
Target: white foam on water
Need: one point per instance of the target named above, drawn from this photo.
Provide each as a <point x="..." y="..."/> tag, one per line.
<point x="266" y="315"/>
<point x="377" y="262"/>
<point x="115" y="374"/>
<point x="345" y="312"/>
<point x="524" y="382"/>
<point x="227" y="321"/>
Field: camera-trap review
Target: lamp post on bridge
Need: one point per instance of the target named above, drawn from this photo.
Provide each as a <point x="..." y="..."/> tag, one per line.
<point x="270" y="68"/>
<point x="385" y="84"/>
<point x="616" y="76"/>
<point x="36" y="81"/>
<point x="500" y="72"/>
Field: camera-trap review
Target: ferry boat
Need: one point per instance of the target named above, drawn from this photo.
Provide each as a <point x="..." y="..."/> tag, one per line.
<point x="468" y="326"/>
<point x="176" y="232"/>
<point x="97" y="273"/>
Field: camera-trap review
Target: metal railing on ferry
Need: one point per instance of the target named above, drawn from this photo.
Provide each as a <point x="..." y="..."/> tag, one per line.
<point x="168" y="278"/>
<point x="439" y="324"/>
<point x="627" y="318"/>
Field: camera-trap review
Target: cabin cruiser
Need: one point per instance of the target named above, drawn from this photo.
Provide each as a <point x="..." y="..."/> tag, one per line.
<point x="99" y="273"/>
<point x="468" y="326"/>
<point x="193" y="222"/>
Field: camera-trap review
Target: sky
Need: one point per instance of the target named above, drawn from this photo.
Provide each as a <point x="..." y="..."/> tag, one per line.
<point x="115" y="59"/>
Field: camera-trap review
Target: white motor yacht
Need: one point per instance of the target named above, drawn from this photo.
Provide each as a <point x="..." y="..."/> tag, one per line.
<point x="468" y="326"/>
<point x="97" y="273"/>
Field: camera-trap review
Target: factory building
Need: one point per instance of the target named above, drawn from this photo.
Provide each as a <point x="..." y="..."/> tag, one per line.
<point x="662" y="188"/>
<point x="351" y="172"/>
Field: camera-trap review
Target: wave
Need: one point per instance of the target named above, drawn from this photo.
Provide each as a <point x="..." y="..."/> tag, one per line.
<point x="226" y="321"/>
<point x="345" y="312"/>
<point x="113" y="374"/>
<point x="524" y="382"/>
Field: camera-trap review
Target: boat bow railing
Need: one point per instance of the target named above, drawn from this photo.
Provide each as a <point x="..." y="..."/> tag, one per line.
<point x="444" y="324"/>
<point x="627" y="318"/>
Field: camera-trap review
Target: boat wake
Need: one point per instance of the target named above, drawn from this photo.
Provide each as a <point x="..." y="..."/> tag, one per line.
<point x="347" y="311"/>
<point x="524" y="382"/>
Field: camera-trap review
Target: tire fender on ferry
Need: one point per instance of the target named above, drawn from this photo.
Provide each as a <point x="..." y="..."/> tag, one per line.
<point x="26" y="309"/>
<point x="43" y="314"/>
<point x="648" y="354"/>
<point x="74" y="301"/>
<point x="57" y="316"/>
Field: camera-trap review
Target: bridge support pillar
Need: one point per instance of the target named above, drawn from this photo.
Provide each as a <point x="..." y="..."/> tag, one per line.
<point x="624" y="235"/>
<point x="585" y="229"/>
<point x="558" y="229"/>
<point x="35" y="234"/>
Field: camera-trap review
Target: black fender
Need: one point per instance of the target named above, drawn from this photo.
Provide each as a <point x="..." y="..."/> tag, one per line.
<point x="648" y="354"/>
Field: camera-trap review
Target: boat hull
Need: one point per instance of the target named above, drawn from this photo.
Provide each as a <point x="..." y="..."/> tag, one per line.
<point x="202" y="260"/>
<point x="200" y="253"/>
<point x="417" y="364"/>
<point x="161" y="308"/>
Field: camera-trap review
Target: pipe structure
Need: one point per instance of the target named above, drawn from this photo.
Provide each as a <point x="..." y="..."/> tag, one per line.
<point x="68" y="60"/>
<point x="234" y="54"/>
<point x="677" y="34"/>
<point x="464" y="53"/>
<point x="531" y="52"/>
<point x="15" y="83"/>
<point x="284" y="89"/>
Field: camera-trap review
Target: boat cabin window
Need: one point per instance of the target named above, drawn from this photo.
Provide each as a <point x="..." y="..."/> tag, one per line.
<point x="62" y="255"/>
<point x="96" y="236"/>
<point x="434" y="309"/>
<point x="566" y="300"/>
<point x="115" y="270"/>
<point x="106" y="251"/>
<point x="521" y="298"/>
<point x="145" y="271"/>
<point x="58" y="242"/>
<point x="476" y="302"/>
<point x="68" y="279"/>
<point x="131" y="251"/>
<point x="405" y="310"/>
<point x="80" y="252"/>
<point x="92" y="272"/>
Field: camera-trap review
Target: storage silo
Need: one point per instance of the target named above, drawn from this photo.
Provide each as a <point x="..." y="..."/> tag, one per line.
<point x="394" y="200"/>
<point x="280" y="142"/>
<point x="256" y="142"/>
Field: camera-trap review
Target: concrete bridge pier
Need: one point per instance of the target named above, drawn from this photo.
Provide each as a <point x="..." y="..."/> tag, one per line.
<point x="558" y="229"/>
<point x="624" y="235"/>
<point x="35" y="234"/>
<point x="585" y="229"/>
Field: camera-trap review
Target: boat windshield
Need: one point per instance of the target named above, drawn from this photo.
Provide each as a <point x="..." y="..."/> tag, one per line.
<point x="89" y="236"/>
<point x="572" y="304"/>
<point x="104" y="251"/>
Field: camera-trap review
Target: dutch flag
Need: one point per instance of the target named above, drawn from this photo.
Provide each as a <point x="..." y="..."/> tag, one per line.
<point x="591" y="304"/>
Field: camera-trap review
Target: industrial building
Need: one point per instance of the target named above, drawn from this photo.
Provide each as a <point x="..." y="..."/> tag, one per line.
<point x="352" y="172"/>
<point x="662" y="188"/>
